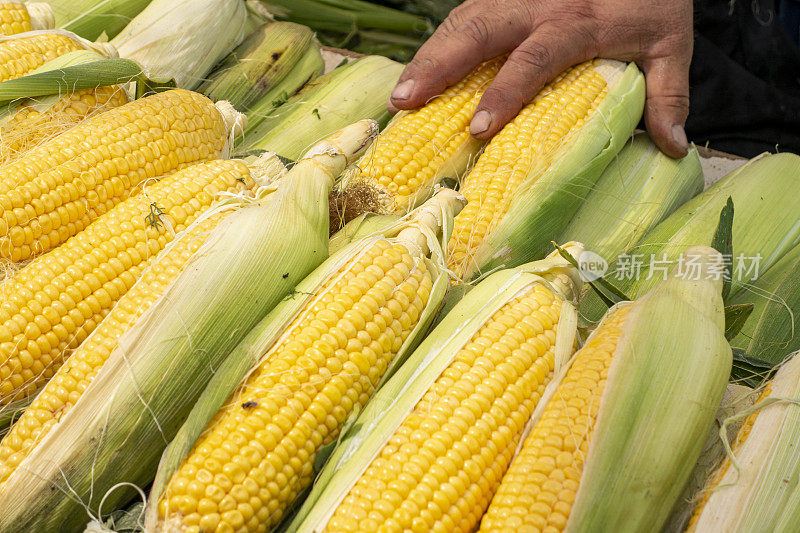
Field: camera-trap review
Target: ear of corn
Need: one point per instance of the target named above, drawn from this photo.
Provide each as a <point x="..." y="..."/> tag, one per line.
<point x="184" y="39"/>
<point x="27" y="122"/>
<point x="92" y="19"/>
<point x="22" y="53"/>
<point x="615" y="444"/>
<point x="67" y="385"/>
<point x="52" y="304"/>
<point x="19" y="17"/>
<point x="766" y="225"/>
<point x="316" y="359"/>
<point x="355" y="91"/>
<point x="759" y="492"/>
<point x="152" y="379"/>
<point x="273" y="62"/>
<point x="639" y="188"/>
<point x="428" y="451"/>
<point x="773" y="328"/>
<point x="420" y="147"/>
<point x="532" y="176"/>
<point x="57" y="189"/>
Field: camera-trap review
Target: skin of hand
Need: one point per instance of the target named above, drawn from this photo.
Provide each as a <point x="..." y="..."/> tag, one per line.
<point x="544" y="38"/>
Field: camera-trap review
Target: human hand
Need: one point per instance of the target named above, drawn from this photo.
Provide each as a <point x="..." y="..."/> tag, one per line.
<point x="544" y="38"/>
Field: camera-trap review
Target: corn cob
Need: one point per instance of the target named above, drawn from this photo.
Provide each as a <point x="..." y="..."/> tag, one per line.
<point x="355" y="91"/>
<point x="759" y="493"/>
<point x="57" y="189"/>
<point x="766" y="225"/>
<point x="365" y="307"/>
<point x="33" y="120"/>
<point x="613" y="447"/>
<point x="92" y="18"/>
<point x="19" y="17"/>
<point x="773" y="328"/>
<point x="420" y="147"/>
<point x="531" y="177"/>
<point x="52" y="304"/>
<point x="22" y="53"/>
<point x="637" y="190"/>
<point x="184" y="40"/>
<point x="154" y="377"/>
<point x="61" y="393"/>
<point x="271" y="64"/>
<point x="429" y="450"/>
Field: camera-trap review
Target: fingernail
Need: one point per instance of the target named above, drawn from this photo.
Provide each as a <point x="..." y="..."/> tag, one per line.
<point x="403" y="90"/>
<point x="480" y="122"/>
<point x="679" y="136"/>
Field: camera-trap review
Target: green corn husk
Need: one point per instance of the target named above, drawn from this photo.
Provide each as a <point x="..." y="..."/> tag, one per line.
<point x="430" y="224"/>
<point x="766" y="222"/>
<point x="773" y="328"/>
<point x="271" y="61"/>
<point x="547" y="200"/>
<point x="760" y="492"/>
<point x="667" y="377"/>
<point x="637" y="190"/>
<point x="347" y="16"/>
<point x="92" y="19"/>
<point x="398" y="397"/>
<point x="353" y="91"/>
<point x="359" y="228"/>
<point x="117" y="431"/>
<point x="435" y="10"/>
<point x="185" y="39"/>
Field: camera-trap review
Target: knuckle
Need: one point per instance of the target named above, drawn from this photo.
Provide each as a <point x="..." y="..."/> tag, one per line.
<point x="532" y="55"/>
<point x="476" y="29"/>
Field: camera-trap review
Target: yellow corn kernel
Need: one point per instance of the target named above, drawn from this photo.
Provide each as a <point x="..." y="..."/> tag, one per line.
<point x="525" y="147"/>
<point x="50" y="305"/>
<point x="29" y="126"/>
<point x="19" y="57"/>
<point x="440" y="468"/>
<point x="539" y="488"/>
<point x="14" y="18"/>
<point x="257" y="454"/>
<point x="55" y="190"/>
<point x="61" y="393"/>
<point x="413" y="149"/>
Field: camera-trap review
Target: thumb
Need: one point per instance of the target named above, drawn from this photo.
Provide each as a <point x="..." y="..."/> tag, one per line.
<point x="667" y="103"/>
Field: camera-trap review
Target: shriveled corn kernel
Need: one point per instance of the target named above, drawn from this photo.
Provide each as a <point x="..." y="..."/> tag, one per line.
<point x="57" y="189"/>
<point x="540" y="485"/>
<point x="525" y="147"/>
<point x="258" y="452"/>
<point x="440" y="468"/>
<point x="52" y="303"/>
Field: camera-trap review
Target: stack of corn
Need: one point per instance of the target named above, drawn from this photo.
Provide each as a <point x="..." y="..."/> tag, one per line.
<point x="755" y="488"/>
<point x="429" y="453"/>
<point x="20" y="17"/>
<point x="531" y="177"/>
<point x="61" y="298"/>
<point x="766" y="225"/>
<point x="618" y="439"/>
<point x="55" y="190"/>
<point x="429" y="450"/>
<point x="319" y="358"/>
<point x="157" y="369"/>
